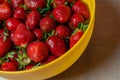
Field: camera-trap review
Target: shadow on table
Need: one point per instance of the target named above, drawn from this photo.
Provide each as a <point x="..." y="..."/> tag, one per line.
<point x="105" y="34"/>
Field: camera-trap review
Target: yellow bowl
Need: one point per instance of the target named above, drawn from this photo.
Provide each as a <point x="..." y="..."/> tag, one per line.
<point x="61" y="64"/>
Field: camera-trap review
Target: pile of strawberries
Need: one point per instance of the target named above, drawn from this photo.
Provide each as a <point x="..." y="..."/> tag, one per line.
<point x="35" y="32"/>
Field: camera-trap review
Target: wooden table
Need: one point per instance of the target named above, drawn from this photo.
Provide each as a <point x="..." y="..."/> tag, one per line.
<point x="101" y="60"/>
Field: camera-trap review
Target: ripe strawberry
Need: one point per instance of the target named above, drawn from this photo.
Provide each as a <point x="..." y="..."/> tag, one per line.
<point x="5" y="12"/>
<point x="49" y="59"/>
<point x="81" y="7"/>
<point x="75" y="20"/>
<point x="8" y="66"/>
<point x="58" y="2"/>
<point x="12" y="23"/>
<point x="47" y="24"/>
<point x="37" y="51"/>
<point x="75" y="37"/>
<point x="33" y="19"/>
<point x="19" y="13"/>
<point x="4" y="45"/>
<point x="56" y="45"/>
<point x="62" y="13"/>
<point x="34" y="4"/>
<point x="28" y="67"/>
<point x="22" y="36"/>
<point x="17" y="3"/>
<point x="38" y="33"/>
<point x="62" y="31"/>
<point x="1" y="1"/>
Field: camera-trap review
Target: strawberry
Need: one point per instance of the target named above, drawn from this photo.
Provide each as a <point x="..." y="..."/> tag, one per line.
<point x="22" y="36"/>
<point x="8" y="66"/>
<point x="75" y="37"/>
<point x="81" y="7"/>
<point x="19" y="13"/>
<point x="38" y="33"/>
<point x="49" y="59"/>
<point x="34" y="4"/>
<point x="12" y="23"/>
<point x="33" y="19"/>
<point x="37" y="51"/>
<point x="62" y="31"/>
<point x="30" y="66"/>
<point x="1" y="1"/>
<point x="47" y="24"/>
<point x="62" y="13"/>
<point x="5" y="12"/>
<point x="5" y="45"/>
<point x="17" y="3"/>
<point x="56" y="45"/>
<point x="75" y="20"/>
<point x="58" y="2"/>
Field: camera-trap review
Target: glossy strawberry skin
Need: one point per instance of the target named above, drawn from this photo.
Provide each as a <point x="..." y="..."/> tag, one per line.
<point x="62" y="31"/>
<point x="62" y="13"/>
<point x="75" y="20"/>
<point x="5" y="12"/>
<point x="37" y="51"/>
<point x="56" y="45"/>
<point x="81" y="7"/>
<point x="33" y="19"/>
<point x="75" y="38"/>
<point x="47" y="24"/>
<point x="58" y="2"/>
<point x="19" y="13"/>
<point x="38" y="34"/>
<point x="8" y="66"/>
<point x="17" y="3"/>
<point x="4" y="45"/>
<point x="12" y="23"/>
<point x="34" y="4"/>
<point x="22" y="36"/>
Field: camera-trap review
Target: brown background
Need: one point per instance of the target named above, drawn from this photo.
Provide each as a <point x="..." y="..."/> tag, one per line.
<point x="101" y="60"/>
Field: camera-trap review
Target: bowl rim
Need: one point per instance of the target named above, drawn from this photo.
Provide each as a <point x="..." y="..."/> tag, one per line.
<point x="61" y="57"/>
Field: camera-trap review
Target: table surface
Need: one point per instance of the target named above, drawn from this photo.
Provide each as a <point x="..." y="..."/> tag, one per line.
<point x="101" y="59"/>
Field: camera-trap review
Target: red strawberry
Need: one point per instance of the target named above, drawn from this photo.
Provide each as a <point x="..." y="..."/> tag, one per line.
<point x="58" y="2"/>
<point x="5" y="12"/>
<point x="62" y="13"/>
<point x="8" y="66"/>
<point x="62" y="31"/>
<point x="57" y="45"/>
<point x="22" y="36"/>
<point x="47" y="24"/>
<point x="37" y="51"/>
<point x="12" y="23"/>
<point x="81" y="7"/>
<point x="33" y="19"/>
<point x="75" y="20"/>
<point x="49" y="59"/>
<point x="4" y="45"/>
<point x="17" y="3"/>
<point x="38" y="33"/>
<point x="11" y="35"/>
<point x="34" y="4"/>
<point x="75" y="37"/>
<point x="30" y="66"/>
<point x="1" y="1"/>
<point x="19" y="13"/>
